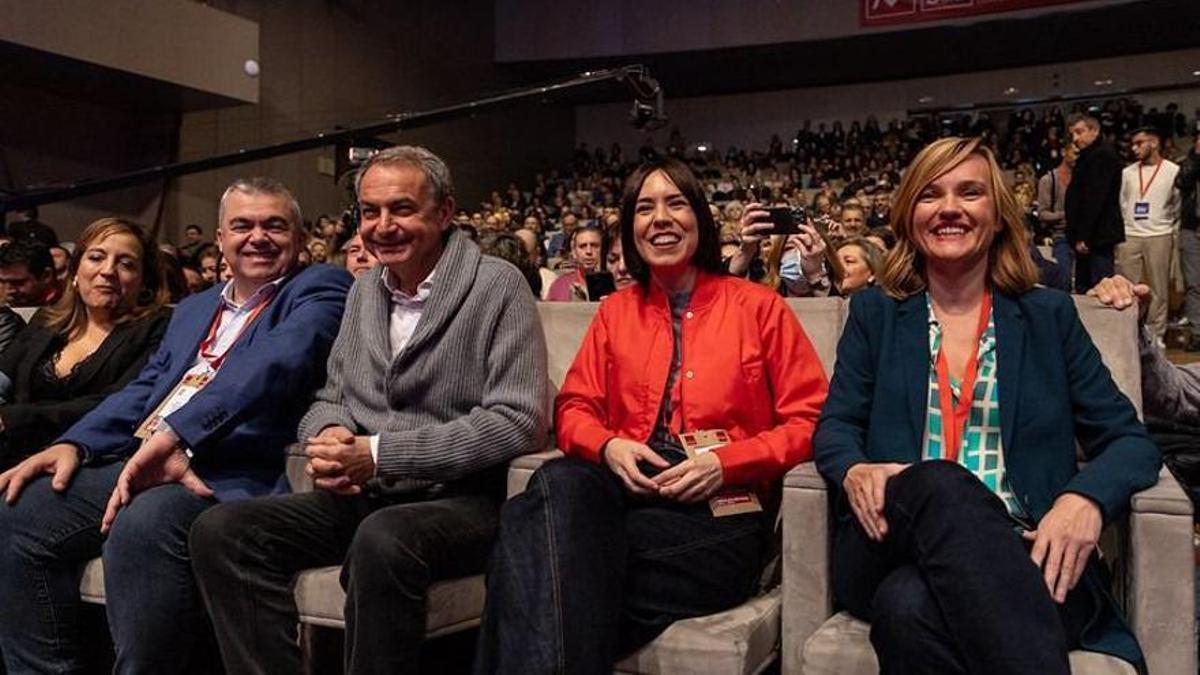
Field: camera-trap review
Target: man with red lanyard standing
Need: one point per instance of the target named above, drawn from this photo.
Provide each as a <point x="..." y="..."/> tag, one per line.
<point x="1150" y="209"/>
<point x="206" y="420"/>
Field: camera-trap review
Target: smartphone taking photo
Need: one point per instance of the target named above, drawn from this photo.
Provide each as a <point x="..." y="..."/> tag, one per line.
<point x="784" y="220"/>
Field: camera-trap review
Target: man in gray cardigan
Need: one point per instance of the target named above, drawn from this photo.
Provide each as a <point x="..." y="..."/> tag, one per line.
<point x="437" y="379"/>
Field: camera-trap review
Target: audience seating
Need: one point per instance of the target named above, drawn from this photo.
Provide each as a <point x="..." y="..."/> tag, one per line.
<point x="1155" y="555"/>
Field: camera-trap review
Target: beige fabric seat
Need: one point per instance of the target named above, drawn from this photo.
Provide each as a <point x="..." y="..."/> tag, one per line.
<point x="1151" y="554"/>
<point x="741" y="641"/>
<point x="842" y="647"/>
<point x="452" y="605"/>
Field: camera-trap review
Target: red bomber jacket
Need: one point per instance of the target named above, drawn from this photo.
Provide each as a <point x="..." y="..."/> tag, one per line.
<point x="747" y="368"/>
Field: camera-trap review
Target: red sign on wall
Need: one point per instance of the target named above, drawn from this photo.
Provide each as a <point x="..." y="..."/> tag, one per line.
<point x="894" y="12"/>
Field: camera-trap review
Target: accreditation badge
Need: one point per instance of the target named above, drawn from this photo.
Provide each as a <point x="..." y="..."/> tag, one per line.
<point x="1141" y="210"/>
<point x="189" y="386"/>
<point x="729" y="501"/>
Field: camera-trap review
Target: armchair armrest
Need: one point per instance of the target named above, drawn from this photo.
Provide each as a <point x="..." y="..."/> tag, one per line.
<point x="519" y="470"/>
<point x="522" y="468"/>
<point x="294" y="469"/>
<point x="807" y="585"/>
<point x="1161" y="598"/>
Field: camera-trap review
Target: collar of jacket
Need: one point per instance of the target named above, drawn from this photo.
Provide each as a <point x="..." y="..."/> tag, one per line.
<point x="452" y="283"/>
<point x="912" y="317"/>
<point x="704" y="293"/>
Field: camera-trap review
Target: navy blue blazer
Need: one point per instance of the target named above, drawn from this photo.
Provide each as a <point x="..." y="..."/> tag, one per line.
<point x="1054" y="389"/>
<point x="238" y="425"/>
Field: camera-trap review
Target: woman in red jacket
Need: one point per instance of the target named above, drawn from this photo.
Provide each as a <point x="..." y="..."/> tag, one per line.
<point x="641" y="525"/>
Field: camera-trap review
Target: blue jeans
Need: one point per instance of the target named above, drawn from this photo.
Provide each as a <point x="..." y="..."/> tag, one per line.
<point x="154" y="610"/>
<point x="1064" y="257"/>
<point x="584" y="573"/>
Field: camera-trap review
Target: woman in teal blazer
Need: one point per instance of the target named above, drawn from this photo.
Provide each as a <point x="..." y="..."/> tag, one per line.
<point x="965" y="531"/>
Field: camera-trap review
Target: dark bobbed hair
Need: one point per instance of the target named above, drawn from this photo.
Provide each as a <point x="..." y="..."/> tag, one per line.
<point x="708" y="250"/>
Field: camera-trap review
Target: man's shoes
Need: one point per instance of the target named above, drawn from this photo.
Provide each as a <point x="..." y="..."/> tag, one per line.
<point x="1179" y="338"/>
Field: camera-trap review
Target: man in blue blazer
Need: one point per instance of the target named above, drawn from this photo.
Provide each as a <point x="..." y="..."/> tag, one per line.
<point x="206" y="420"/>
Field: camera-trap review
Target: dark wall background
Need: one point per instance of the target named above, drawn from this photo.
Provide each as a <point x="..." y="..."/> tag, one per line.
<point x="323" y="63"/>
<point x="353" y="62"/>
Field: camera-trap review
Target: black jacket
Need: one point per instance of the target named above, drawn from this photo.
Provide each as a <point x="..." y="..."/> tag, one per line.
<point x="1185" y="182"/>
<point x="11" y="324"/>
<point x="1093" y="201"/>
<point x="29" y="424"/>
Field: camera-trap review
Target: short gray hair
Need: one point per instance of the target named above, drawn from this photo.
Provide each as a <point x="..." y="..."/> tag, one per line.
<point x="260" y="185"/>
<point x="1088" y="121"/>
<point x="437" y="174"/>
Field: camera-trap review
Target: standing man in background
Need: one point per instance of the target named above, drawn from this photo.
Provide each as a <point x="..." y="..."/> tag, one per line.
<point x="1094" y="225"/>
<point x="1150" y="209"/>
<point x="1187" y="183"/>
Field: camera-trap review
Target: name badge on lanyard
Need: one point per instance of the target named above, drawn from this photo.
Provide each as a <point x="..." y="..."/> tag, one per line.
<point x="192" y="383"/>
<point x="183" y="392"/>
<point x="1141" y="209"/>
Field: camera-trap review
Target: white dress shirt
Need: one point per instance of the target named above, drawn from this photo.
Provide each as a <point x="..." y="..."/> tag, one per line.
<point x="231" y="323"/>
<point x="406" y="313"/>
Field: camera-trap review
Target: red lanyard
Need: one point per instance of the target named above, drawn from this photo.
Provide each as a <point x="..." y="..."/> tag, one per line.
<point x="954" y="418"/>
<point x="215" y="361"/>
<point x="1145" y="187"/>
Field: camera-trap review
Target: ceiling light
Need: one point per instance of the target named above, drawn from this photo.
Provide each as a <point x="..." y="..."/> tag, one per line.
<point x="925" y="99"/>
<point x="1010" y="91"/>
<point x="1196" y="73"/>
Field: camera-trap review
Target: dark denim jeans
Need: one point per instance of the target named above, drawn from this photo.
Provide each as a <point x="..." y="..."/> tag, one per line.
<point x="248" y="553"/>
<point x="1091" y="268"/>
<point x="951" y="589"/>
<point x="584" y="573"/>
<point x="154" y="611"/>
<point x="1064" y="258"/>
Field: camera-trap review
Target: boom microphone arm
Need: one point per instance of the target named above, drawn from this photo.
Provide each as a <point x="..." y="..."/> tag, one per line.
<point x="647" y="113"/>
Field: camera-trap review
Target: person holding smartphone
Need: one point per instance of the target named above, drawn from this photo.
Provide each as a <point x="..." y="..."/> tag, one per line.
<point x="798" y="262"/>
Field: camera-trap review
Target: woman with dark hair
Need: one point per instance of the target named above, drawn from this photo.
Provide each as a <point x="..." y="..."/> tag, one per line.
<point x="89" y="344"/>
<point x="611" y="544"/>
<point x="950" y="433"/>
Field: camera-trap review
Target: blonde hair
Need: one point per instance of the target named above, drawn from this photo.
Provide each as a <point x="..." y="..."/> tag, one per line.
<point x="68" y="316"/>
<point x="1010" y="267"/>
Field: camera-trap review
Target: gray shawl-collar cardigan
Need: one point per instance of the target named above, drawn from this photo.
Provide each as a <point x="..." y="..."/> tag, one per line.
<point x="466" y="393"/>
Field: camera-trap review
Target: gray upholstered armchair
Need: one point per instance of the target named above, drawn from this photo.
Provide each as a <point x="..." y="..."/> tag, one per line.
<point x="1151" y="555"/>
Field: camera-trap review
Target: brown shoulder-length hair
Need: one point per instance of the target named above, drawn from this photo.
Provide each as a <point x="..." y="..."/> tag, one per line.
<point x="68" y="316"/>
<point x="1010" y="267"/>
<point x="708" y="250"/>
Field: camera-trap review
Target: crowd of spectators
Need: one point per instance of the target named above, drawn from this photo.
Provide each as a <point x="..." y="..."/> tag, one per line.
<point x="412" y="394"/>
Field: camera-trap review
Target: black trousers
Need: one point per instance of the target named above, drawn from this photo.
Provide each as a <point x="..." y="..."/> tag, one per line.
<point x="584" y="573"/>
<point x="247" y="553"/>
<point x="952" y="588"/>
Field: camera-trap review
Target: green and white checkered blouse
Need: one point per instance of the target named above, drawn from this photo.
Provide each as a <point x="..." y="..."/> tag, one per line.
<point x="981" y="451"/>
